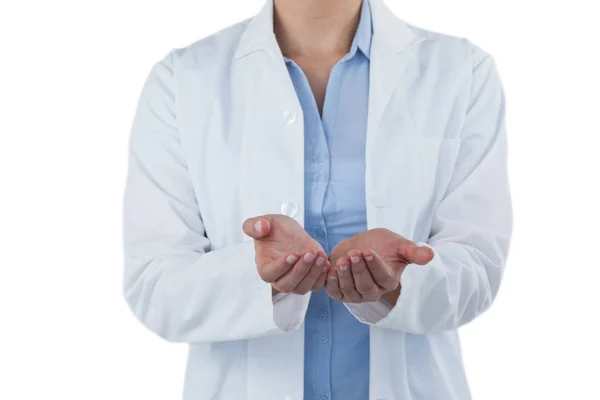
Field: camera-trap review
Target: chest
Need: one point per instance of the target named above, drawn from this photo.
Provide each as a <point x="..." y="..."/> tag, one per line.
<point x="334" y="133"/>
<point x="245" y="138"/>
<point x="334" y="149"/>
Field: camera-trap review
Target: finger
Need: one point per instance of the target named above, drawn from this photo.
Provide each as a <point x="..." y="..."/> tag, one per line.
<point x="417" y="254"/>
<point x="363" y="281"/>
<point x="351" y="295"/>
<point x="320" y="283"/>
<point x="382" y="274"/>
<point x="257" y="228"/>
<point x="275" y="269"/>
<point x="314" y="272"/>
<point x="333" y="285"/>
<point x="288" y="282"/>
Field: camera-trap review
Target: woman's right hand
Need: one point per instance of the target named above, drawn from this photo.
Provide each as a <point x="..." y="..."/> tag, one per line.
<point x="286" y="256"/>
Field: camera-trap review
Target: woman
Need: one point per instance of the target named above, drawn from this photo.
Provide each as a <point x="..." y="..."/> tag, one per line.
<point x="317" y="199"/>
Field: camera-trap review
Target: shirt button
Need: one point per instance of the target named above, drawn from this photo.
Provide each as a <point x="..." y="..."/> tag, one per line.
<point x="290" y="209"/>
<point x="321" y="159"/>
<point x="323" y="314"/>
<point x="289" y="117"/>
<point x="321" y="178"/>
<point x="324" y="338"/>
<point x="320" y="232"/>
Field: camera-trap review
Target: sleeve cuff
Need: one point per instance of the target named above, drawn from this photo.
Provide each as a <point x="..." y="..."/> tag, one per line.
<point x="370" y="313"/>
<point x="289" y="310"/>
<point x="278" y="297"/>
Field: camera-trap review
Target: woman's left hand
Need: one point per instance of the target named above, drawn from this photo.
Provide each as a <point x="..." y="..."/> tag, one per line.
<point x="359" y="276"/>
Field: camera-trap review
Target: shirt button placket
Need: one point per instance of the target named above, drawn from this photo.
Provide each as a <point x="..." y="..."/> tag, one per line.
<point x="325" y="341"/>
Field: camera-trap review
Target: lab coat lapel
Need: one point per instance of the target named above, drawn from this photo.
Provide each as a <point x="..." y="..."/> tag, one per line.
<point x="389" y="56"/>
<point x="273" y="126"/>
<point x="391" y="52"/>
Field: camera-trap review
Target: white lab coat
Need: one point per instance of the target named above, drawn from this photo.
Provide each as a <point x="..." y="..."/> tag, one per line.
<point x="218" y="137"/>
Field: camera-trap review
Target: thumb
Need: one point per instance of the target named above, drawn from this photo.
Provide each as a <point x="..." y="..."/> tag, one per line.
<point x="418" y="254"/>
<point x="257" y="227"/>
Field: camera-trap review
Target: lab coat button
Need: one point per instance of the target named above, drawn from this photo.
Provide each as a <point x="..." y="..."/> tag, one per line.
<point x="289" y="117"/>
<point x="290" y="209"/>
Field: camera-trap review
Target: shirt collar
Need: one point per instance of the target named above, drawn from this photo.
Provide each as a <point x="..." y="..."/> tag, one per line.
<point x="364" y="32"/>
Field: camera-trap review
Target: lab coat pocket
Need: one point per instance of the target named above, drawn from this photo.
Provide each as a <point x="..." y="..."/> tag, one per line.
<point x="408" y="181"/>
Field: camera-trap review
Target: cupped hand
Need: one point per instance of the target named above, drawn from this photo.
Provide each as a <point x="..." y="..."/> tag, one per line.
<point x="286" y="256"/>
<point x="369" y="265"/>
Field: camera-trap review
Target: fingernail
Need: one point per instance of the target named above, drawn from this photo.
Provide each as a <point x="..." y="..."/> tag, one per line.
<point x="355" y="259"/>
<point x="369" y="258"/>
<point x="258" y="226"/>
<point x="320" y="261"/>
<point x="308" y="257"/>
<point x="291" y="259"/>
<point x="425" y="251"/>
<point x="343" y="268"/>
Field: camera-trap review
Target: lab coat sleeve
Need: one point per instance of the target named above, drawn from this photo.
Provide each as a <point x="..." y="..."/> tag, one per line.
<point x="174" y="283"/>
<point x="471" y="226"/>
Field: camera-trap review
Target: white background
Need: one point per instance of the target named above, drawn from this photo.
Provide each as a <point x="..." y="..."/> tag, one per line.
<point x="71" y="74"/>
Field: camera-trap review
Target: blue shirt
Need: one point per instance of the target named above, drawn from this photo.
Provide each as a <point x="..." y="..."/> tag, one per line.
<point x="337" y="345"/>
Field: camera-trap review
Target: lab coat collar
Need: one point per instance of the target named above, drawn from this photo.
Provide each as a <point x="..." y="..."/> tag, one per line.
<point x="393" y="34"/>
